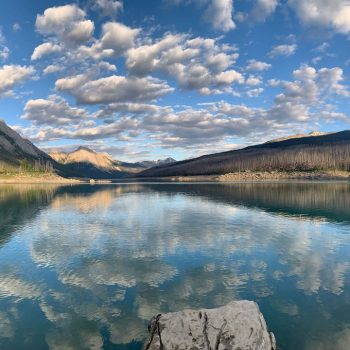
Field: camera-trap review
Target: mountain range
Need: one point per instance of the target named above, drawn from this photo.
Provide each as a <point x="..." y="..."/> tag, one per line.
<point x="92" y="164"/>
<point x="302" y="152"/>
<point x="19" y="153"/>
<point x="153" y="163"/>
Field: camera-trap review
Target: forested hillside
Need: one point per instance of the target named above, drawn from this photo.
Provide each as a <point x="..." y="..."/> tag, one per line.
<point x="312" y="153"/>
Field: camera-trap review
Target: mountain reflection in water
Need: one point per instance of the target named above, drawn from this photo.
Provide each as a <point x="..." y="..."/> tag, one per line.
<point x="85" y="267"/>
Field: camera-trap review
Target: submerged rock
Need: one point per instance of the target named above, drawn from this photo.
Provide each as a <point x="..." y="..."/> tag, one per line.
<point x="237" y="326"/>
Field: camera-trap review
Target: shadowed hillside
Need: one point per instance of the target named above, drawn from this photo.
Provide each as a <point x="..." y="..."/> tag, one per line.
<point x="312" y="153"/>
<point x="19" y="154"/>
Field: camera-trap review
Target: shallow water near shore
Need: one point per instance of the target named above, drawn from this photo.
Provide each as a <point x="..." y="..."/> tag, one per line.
<point x="86" y="267"/>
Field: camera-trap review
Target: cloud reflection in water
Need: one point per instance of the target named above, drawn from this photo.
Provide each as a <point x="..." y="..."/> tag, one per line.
<point x="98" y="262"/>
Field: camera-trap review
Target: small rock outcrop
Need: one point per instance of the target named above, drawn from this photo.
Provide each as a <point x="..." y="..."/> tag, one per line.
<point x="237" y="326"/>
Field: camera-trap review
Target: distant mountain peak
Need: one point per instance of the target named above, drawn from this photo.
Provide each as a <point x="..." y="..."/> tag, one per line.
<point x="298" y="136"/>
<point x="152" y="163"/>
<point x="317" y="133"/>
<point x="90" y="163"/>
<point x="84" y="148"/>
<point x="86" y="155"/>
<point x="170" y="159"/>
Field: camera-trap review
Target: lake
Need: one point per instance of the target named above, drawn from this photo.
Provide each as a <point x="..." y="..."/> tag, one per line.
<point x="86" y="267"/>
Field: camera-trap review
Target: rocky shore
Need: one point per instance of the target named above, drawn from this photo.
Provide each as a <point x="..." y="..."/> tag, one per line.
<point x="251" y="176"/>
<point x="276" y="175"/>
<point x="238" y="325"/>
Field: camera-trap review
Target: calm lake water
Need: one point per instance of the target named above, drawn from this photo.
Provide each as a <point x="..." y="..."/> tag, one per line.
<point x="85" y="267"/>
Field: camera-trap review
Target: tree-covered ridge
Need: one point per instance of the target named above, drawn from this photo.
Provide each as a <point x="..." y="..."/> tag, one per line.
<point x="325" y="152"/>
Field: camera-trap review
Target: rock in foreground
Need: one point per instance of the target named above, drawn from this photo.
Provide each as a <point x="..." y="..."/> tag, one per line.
<point x="237" y="326"/>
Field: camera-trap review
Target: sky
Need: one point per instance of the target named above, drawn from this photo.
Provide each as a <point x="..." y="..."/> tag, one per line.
<point x="181" y="78"/>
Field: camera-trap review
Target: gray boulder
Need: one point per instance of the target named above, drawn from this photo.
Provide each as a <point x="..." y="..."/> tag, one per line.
<point x="237" y="326"/>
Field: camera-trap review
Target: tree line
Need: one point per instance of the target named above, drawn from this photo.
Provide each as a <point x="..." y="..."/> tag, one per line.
<point x="26" y="166"/>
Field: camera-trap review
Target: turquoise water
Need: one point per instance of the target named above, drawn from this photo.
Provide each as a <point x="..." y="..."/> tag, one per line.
<point x="85" y="267"/>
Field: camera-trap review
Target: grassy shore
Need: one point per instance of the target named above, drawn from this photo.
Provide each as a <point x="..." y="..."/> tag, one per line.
<point x="35" y="177"/>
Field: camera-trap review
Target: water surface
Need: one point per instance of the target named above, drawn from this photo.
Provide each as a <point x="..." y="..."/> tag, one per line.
<point x="85" y="267"/>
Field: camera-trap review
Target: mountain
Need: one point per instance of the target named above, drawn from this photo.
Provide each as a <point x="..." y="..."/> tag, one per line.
<point x="298" y="136"/>
<point x="85" y="155"/>
<point x="153" y="163"/>
<point x="306" y="153"/>
<point x="19" y="153"/>
<point x="101" y="165"/>
<point x="91" y="164"/>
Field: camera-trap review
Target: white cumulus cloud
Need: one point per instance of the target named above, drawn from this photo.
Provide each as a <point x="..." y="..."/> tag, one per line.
<point x="108" y="8"/>
<point x="52" y="111"/>
<point x="196" y="64"/>
<point x="263" y="8"/>
<point x="255" y="65"/>
<point x="283" y="50"/>
<point x="219" y="14"/>
<point x="12" y="75"/>
<point x="113" y="89"/>
<point x="45" y="49"/>
<point x="67" y="23"/>
<point x="334" y="14"/>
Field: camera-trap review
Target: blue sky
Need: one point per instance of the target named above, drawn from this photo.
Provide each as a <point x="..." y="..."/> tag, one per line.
<point x="180" y="78"/>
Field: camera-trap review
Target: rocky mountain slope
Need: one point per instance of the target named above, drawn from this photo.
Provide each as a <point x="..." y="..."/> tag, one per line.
<point x="85" y="155"/>
<point x="102" y="165"/>
<point x="17" y="152"/>
<point x="91" y="164"/>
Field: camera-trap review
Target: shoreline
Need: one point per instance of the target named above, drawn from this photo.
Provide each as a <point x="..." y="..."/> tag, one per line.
<point x="255" y="177"/>
<point x="251" y="177"/>
<point x="41" y="179"/>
